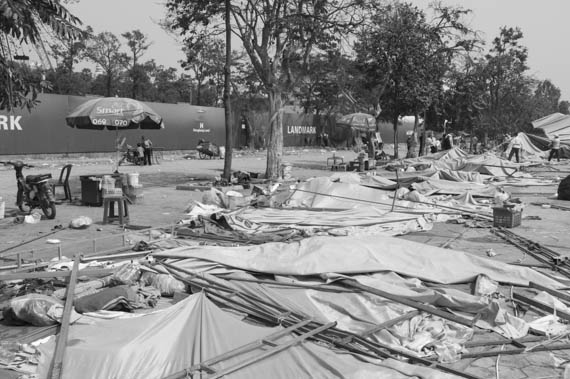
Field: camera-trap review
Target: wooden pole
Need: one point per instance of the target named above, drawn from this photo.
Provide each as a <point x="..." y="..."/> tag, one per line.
<point x="410" y="303"/>
<point x="57" y="364"/>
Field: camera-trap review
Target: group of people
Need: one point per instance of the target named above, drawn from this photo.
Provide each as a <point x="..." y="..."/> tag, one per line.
<point x="434" y="144"/>
<point x="144" y="151"/>
<point x="516" y="145"/>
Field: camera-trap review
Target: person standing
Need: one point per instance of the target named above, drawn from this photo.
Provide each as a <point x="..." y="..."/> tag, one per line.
<point x="516" y="145"/>
<point x="555" y="148"/>
<point x="147" y="147"/>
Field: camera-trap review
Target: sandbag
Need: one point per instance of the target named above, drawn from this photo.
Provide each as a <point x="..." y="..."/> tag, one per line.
<point x="35" y="309"/>
<point x="564" y="189"/>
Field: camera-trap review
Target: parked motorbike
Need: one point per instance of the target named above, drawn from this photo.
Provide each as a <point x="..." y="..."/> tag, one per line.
<point x="34" y="191"/>
<point x="207" y="149"/>
<point x="131" y="156"/>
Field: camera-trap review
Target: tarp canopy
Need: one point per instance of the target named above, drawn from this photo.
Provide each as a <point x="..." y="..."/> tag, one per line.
<point x="350" y="255"/>
<point x="543" y="144"/>
<point x="556" y="123"/>
<point x="194" y="330"/>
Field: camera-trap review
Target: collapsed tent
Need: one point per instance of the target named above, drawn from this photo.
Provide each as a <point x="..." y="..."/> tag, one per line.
<point x="555" y="123"/>
<point x="348" y="255"/>
<point x="542" y="144"/>
<point x="174" y="342"/>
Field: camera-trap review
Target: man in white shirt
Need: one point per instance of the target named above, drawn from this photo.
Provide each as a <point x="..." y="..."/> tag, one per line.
<point x="516" y="145"/>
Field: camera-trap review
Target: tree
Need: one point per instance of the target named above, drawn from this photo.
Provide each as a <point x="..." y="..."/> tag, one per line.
<point x="404" y="58"/>
<point x="21" y="21"/>
<point x="103" y="49"/>
<point x="205" y="59"/>
<point x="138" y="44"/>
<point x="564" y="107"/>
<point x="509" y="89"/>
<point x="545" y="99"/>
<point x="274" y="34"/>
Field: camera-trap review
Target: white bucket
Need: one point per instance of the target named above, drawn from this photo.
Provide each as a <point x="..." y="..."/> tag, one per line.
<point x="133" y="179"/>
<point x="2" y="208"/>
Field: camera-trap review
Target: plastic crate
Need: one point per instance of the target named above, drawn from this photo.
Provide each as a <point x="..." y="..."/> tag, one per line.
<point x="506" y="217"/>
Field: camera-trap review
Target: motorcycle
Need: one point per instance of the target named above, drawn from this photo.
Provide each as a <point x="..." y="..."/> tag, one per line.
<point x="131" y="156"/>
<point x="207" y="149"/>
<point x="34" y="191"/>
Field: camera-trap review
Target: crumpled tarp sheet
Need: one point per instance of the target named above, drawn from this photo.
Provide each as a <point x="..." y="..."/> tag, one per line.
<point x="455" y="188"/>
<point x="324" y="193"/>
<point x="456" y="159"/>
<point x="555" y="123"/>
<point x="348" y="255"/>
<point x="529" y="151"/>
<point x="458" y="176"/>
<point x="487" y="163"/>
<point x="543" y="144"/>
<point x="192" y="331"/>
<point x="357" y="312"/>
<point x="361" y="221"/>
<point x="349" y="217"/>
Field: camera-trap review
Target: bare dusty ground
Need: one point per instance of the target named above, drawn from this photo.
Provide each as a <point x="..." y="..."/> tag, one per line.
<point x="164" y="205"/>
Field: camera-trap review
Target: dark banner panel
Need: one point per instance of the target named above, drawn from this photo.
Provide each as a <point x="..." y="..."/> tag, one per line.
<point x="305" y="129"/>
<point x="43" y="130"/>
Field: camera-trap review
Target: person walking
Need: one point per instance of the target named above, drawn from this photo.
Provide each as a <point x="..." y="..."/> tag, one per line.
<point x="147" y="147"/>
<point x="516" y="145"/>
<point x="555" y="148"/>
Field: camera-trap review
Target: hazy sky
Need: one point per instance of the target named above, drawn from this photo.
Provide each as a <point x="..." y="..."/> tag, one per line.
<point x="542" y="23"/>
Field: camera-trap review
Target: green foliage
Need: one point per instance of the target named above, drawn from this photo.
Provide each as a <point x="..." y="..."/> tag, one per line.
<point x="104" y="50"/>
<point x="21" y="21"/>
<point x="404" y="57"/>
<point x="138" y="44"/>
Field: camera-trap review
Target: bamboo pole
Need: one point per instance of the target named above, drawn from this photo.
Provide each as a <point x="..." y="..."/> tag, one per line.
<point x="57" y="363"/>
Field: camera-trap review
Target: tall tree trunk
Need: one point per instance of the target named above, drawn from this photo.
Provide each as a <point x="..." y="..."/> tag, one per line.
<point x="227" y="104"/>
<point x="250" y="133"/>
<point x="109" y="84"/>
<point x="275" y="143"/>
<point x="199" y="94"/>
<point x="413" y="150"/>
<point x="395" y="125"/>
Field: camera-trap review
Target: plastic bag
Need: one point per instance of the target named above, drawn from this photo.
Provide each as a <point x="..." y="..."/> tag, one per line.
<point x="127" y="274"/>
<point x="33" y="218"/>
<point x="81" y="222"/>
<point x="35" y="309"/>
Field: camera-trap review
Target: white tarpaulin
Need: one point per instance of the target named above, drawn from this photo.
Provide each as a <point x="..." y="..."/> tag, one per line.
<point x="195" y="330"/>
<point x="349" y="255"/>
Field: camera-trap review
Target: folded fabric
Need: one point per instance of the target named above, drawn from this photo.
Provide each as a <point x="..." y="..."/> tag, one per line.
<point x="119" y="298"/>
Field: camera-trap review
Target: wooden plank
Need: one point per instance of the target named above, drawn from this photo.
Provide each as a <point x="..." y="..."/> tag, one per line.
<point x="389" y="323"/>
<point x="117" y="256"/>
<point x="57" y="363"/>
<point x="272" y="351"/>
<point x="542" y="306"/>
<point x="505" y="341"/>
<point x="56" y="274"/>
<point x="207" y="365"/>
<point x="410" y="303"/>
<point x="559" y="294"/>
<point x="492" y="353"/>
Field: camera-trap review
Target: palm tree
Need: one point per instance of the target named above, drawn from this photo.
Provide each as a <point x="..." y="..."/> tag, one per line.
<point x="27" y="21"/>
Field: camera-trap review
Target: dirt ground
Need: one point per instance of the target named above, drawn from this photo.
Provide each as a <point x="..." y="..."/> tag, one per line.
<point x="164" y="205"/>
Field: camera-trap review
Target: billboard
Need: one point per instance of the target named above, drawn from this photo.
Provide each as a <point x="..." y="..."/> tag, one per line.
<point x="43" y="130"/>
